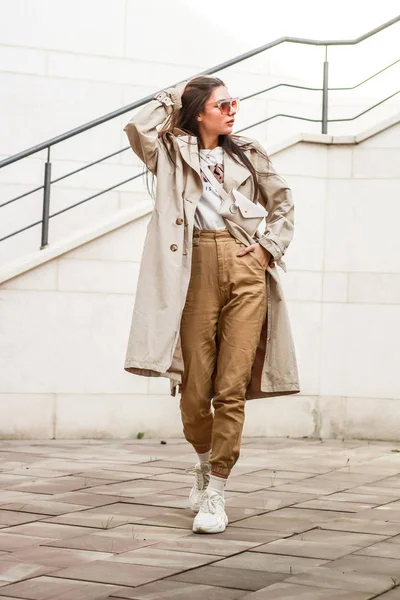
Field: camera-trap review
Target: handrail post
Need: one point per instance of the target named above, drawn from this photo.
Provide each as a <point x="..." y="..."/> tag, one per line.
<point x="46" y="202"/>
<point x="325" y="94"/>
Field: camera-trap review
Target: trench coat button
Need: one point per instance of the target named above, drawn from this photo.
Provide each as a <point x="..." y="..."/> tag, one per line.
<point x="272" y="264"/>
<point x="173" y="247"/>
<point x="179" y="221"/>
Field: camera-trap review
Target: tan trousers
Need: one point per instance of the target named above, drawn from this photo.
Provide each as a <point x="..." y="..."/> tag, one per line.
<point x="220" y="330"/>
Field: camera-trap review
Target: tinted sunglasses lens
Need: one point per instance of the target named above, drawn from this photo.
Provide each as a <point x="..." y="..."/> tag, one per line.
<point x="229" y="105"/>
<point x="225" y="107"/>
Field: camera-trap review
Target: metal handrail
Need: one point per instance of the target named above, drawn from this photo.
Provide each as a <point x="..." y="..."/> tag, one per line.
<point x="105" y="118"/>
<point x="278" y="85"/>
<point x="95" y="162"/>
<point x="40" y="187"/>
<point x="220" y="67"/>
<point x="312" y="89"/>
<point x="299" y="87"/>
<point x="59" y="212"/>
<point x="318" y="120"/>
<point x="365" y="80"/>
<point x="366" y="110"/>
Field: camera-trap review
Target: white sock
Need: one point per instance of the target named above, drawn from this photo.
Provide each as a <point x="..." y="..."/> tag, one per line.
<point x="217" y="484"/>
<point x="204" y="458"/>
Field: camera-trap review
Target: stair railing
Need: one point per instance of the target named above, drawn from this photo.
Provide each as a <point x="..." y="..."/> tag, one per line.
<point x="48" y="145"/>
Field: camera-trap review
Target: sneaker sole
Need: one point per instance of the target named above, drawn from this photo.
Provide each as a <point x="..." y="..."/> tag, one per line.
<point x="218" y="529"/>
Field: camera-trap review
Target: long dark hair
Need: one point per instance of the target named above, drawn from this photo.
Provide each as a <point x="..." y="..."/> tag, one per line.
<point x="196" y="93"/>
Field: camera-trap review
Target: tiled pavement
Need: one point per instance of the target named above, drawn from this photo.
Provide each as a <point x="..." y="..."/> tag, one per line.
<point x="90" y="520"/>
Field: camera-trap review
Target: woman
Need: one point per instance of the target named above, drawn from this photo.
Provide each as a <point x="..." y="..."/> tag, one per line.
<point x="209" y="312"/>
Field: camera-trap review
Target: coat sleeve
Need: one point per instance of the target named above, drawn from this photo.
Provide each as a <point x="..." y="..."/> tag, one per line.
<point x="276" y="198"/>
<point x="142" y="128"/>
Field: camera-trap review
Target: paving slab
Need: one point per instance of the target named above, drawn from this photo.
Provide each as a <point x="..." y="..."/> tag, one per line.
<point x="373" y="583"/>
<point x="306" y="548"/>
<point x="133" y="489"/>
<point x="177" y="499"/>
<point x="179" y="561"/>
<point x="35" y="472"/>
<point x="255" y="536"/>
<point x="58" y="485"/>
<point x="175" y="590"/>
<point x="270" y="563"/>
<point x="309" y="514"/>
<point x="272" y="475"/>
<point x="288" y="591"/>
<point x="50" y="531"/>
<point x="10" y="496"/>
<point x="99" y="542"/>
<point x="382" y="549"/>
<point x="104" y="475"/>
<point x="341" y="537"/>
<point x="271" y="522"/>
<point x="364" y="498"/>
<point x="134" y="511"/>
<point x="58" y="557"/>
<point x="110" y="519"/>
<point x="117" y="573"/>
<point x="353" y="478"/>
<point x="363" y="525"/>
<point x="387" y="494"/>
<point x="12" y="570"/>
<point x="7" y="480"/>
<point x="268" y="500"/>
<point x="10" y="542"/>
<point x="392" y="595"/>
<point x="333" y="505"/>
<point x="44" y="507"/>
<point x="242" y="579"/>
<point x="367" y="564"/>
<point x="312" y="486"/>
<point x="48" y="588"/>
<point x="139" y="531"/>
<point x="86" y="498"/>
<point x="87" y="518"/>
<point x="9" y="517"/>
<point x="206" y="546"/>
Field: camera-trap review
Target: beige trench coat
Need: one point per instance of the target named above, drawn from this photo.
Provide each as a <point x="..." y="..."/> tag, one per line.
<point x="154" y="342"/>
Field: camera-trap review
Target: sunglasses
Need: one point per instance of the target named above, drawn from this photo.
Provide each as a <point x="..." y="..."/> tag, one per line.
<point x="226" y="106"/>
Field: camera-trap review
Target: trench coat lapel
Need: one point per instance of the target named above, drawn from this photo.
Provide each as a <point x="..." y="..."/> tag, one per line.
<point x="189" y="150"/>
<point x="234" y="173"/>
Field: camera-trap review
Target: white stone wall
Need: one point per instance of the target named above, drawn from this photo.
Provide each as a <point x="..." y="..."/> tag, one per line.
<point x="64" y="325"/>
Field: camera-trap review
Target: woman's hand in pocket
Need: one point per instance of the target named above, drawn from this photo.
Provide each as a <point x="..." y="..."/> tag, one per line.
<point x="263" y="256"/>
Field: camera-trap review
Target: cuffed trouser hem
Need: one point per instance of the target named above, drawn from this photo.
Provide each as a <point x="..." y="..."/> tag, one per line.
<point x="202" y="449"/>
<point x="220" y="472"/>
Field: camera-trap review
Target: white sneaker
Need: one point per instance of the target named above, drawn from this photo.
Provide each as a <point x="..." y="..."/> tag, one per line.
<point x="211" y="517"/>
<point x="202" y="477"/>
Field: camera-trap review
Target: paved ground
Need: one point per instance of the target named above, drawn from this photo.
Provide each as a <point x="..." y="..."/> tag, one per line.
<point x="309" y="520"/>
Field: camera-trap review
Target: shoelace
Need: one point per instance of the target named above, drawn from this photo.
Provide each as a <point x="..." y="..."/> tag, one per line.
<point x="202" y="477"/>
<point x="210" y="503"/>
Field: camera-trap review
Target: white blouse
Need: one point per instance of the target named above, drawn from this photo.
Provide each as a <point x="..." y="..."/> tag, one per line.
<point x="206" y="215"/>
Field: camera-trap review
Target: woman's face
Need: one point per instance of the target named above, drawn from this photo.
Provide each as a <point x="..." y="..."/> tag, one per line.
<point x="212" y="121"/>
